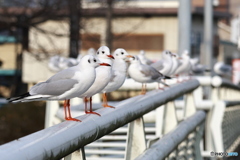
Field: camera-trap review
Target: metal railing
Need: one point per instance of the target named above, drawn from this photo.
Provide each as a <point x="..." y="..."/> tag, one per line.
<point x="171" y="142"/>
<point x="146" y="119"/>
<point x="62" y="139"/>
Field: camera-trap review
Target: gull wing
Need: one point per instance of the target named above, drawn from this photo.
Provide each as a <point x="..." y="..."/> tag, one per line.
<point x="53" y="88"/>
<point x="149" y="71"/>
<point x="158" y="65"/>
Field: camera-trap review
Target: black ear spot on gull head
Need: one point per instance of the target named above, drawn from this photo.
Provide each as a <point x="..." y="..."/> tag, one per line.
<point x="98" y="52"/>
<point x="116" y="54"/>
<point x="89" y="61"/>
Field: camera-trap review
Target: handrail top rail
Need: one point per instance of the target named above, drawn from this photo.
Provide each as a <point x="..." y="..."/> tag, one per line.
<point x="222" y="82"/>
<point x="62" y="139"/>
<point x="171" y="140"/>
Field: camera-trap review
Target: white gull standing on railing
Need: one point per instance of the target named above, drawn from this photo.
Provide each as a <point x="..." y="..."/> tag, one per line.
<point x="165" y="64"/>
<point x="144" y="73"/>
<point x="119" y="71"/>
<point x="103" y="76"/>
<point x="64" y="85"/>
<point x="143" y="58"/>
<point x="222" y="69"/>
<point x="185" y="67"/>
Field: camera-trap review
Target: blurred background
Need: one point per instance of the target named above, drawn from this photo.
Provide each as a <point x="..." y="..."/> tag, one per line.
<point x="33" y="31"/>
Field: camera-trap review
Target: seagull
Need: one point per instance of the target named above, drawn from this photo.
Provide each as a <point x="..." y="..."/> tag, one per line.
<point x="58" y="63"/>
<point x="64" y="85"/>
<point x="175" y="64"/>
<point x="143" y="58"/>
<point x="223" y="69"/>
<point x="53" y="63"/>
<point x="165" y="64"/>
<point x="144" y="73"/>
<point x="103" y="76"/>
<point x="119" y="71"/>
<point x="185" y="66"/>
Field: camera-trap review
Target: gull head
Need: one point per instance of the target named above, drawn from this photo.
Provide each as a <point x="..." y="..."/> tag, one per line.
<point x="121" y="53"/>
<point x="90" y="61"/>
<point x="104" y="53"/>
<point x="134" y="60"/>
<point x="166" y="54"/>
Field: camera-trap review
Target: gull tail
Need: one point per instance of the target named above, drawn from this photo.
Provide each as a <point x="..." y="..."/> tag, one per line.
<point x="19" y="98"/>
<point x="167" y="77"/>
<point x="26" y="97"/>
<point x="163" y="83"/>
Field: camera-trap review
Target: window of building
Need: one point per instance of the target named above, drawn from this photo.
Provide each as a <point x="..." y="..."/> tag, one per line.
<point x="152" y="42"/>
<point x="90" y="41"/>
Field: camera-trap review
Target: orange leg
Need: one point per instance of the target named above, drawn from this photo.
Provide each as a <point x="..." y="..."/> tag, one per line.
<point x="90" y="111"/>
<point x="67" y="111"/>
<point x="159" y="87"/>
<point x="105" y="102"/>
<point x="143" y="89"/>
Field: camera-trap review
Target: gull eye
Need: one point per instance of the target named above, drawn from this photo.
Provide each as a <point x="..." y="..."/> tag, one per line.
<point x="89" y="61"/>
<point x="98" y="52"/>
<point x="122" y="53"/>
<point x="95" y="60"/>
<point x="103" y="52"/>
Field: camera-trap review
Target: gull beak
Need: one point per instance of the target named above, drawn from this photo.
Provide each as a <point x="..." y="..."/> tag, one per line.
<point x="129" y="56"/>
<point x="104" y="64"/>
<point x="110" y="56"/>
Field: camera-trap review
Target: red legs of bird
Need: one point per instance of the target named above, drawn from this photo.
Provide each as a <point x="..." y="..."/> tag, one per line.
<point x="143" y="92"/>
<point x="178" y="81"/>
<point x="67" y="111"/>
<point x="90" y="111"/>
<point x="159" y="87"/>
<point x="105" y="102"/>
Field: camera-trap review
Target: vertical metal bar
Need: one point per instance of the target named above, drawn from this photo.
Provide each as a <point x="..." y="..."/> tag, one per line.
<point x="189" y="107"/>
<point x="136" y="141"/>
<point x="170" y="117"/>
<point x="184" y="26"/>
<point x="216" y="126"/>
<point x="77" y="155"/>
<point x="199" y="135"/>
<point x="51" y="109"/>
<point x="160" y="120"/>
<point x="208" y="34"/>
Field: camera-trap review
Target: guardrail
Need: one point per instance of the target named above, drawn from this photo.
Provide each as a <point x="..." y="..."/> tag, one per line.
<point x="225" y="125"/>
<point x="162" y="110"/>
<point x="171" y="141"/>
<point x="64" y="138"/>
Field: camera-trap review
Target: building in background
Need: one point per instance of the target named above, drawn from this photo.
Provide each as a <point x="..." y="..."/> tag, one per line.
<point x="136" y="25"/>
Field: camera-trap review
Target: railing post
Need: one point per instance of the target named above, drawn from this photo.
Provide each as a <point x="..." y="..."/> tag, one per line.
<point x="189" y="107"/>
<point x="199" y="135"/>
<point x="77" y="155"/>
<point x="216" y="126"/>
<point x="159" y="120"/>
<point x="50" y="116"/>
<point x="136" y="139"/>
<point x="170" y="117"/>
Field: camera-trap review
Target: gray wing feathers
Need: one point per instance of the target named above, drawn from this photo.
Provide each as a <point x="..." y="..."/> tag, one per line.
<point x="150" y="71"/>
<point x="64" y="74"/>
<point x="53" y="88"/>
<point x="158" y="65"/>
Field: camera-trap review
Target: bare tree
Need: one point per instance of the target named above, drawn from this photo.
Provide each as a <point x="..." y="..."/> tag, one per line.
<point x="74" y="16"/>
<point x="109" y="16"/>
